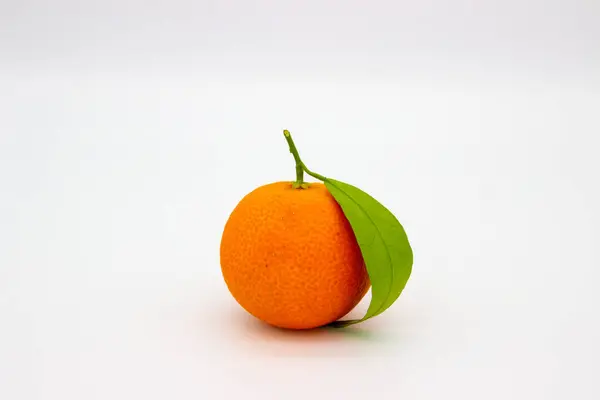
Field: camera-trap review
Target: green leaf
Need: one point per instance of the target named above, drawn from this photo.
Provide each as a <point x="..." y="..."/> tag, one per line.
<point x="383" y="243"/>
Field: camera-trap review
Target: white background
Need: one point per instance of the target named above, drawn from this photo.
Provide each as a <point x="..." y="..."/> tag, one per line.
<point x="130" y="129"/>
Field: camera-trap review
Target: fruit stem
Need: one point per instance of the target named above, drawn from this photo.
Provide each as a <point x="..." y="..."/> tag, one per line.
<point x="299" y="170"/>
<point x="300" y="167"/>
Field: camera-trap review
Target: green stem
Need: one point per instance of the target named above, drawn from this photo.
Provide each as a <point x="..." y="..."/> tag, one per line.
<point x="300" y="167"/>
<point x="299" y="171"/>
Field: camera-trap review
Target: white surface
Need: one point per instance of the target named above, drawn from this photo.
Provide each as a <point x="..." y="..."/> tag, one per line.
<point x="128" y="134"/>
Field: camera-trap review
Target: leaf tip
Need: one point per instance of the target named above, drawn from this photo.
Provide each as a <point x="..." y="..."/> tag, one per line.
<point x="286" y="133"/>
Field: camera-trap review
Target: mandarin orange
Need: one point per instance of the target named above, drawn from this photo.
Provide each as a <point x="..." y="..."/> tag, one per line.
<point x="290" y="258"/>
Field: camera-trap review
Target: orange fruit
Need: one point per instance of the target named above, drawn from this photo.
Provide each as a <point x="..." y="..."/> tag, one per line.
<point x="290" y="258"/>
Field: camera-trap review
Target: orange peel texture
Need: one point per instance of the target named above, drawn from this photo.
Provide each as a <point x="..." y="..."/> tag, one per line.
<point x="290" y="258"/>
